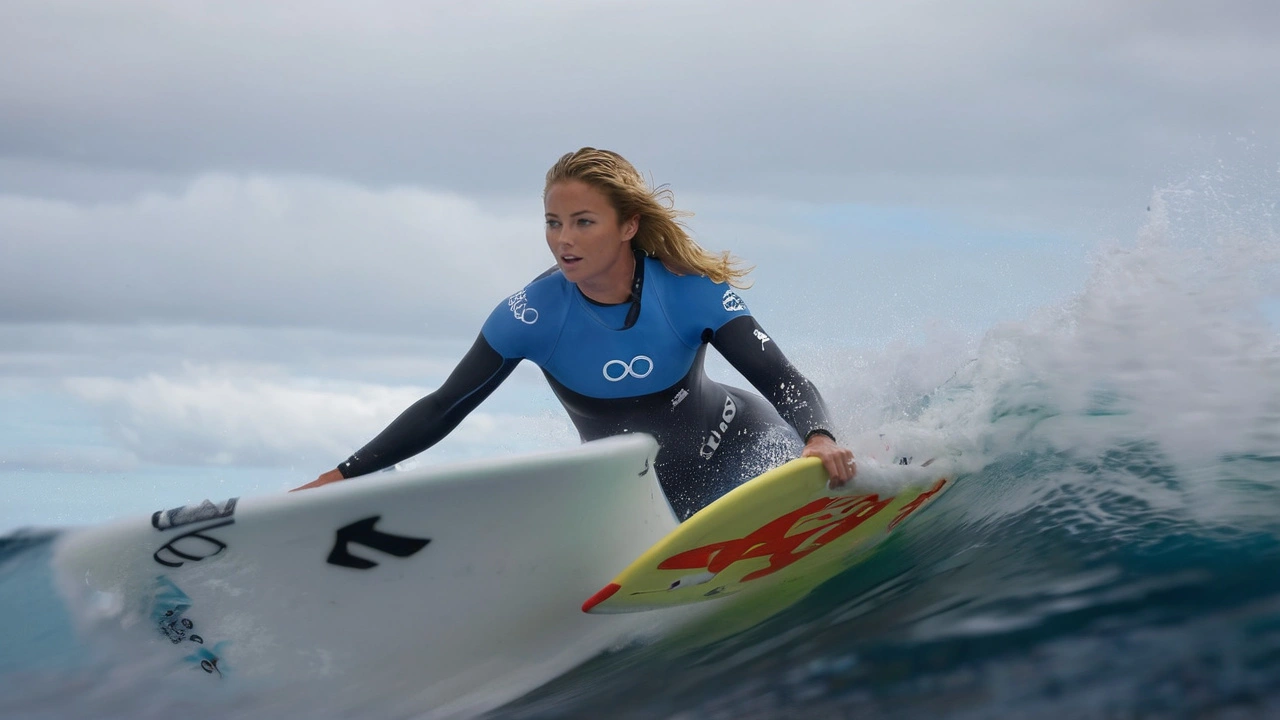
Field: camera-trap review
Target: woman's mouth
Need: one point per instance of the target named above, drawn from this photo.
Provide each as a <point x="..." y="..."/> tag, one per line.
<point x="570" y="260"/>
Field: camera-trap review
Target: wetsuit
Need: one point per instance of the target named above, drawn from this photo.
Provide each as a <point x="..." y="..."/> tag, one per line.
<point x="632" y="367"/>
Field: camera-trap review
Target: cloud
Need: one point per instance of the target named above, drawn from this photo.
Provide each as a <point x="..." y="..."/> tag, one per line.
<point x="377" y="168"/>
<point x="842" y="98"/>
<point x="299" y="257"/>
<point x="32" y="354"/>
<point x="68" y="459"/>
<point x="267" y="251"/>
<point x="237" y="416"/>
<point x="220" y="417"/>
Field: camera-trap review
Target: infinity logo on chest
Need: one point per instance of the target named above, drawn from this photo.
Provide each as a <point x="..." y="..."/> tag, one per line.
<point x="619" y="370"/>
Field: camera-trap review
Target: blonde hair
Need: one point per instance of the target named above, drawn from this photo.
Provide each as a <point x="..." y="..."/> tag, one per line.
<point x="660" y="234"/>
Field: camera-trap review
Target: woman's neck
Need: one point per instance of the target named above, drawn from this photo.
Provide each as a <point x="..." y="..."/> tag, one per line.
<point x="615" y="286"/>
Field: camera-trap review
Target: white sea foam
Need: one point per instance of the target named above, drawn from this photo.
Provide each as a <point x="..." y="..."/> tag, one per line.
<point x="1167" y="349"/>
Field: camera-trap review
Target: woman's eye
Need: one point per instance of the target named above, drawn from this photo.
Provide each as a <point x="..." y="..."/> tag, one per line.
<point x="583" y="222"/>
<point x="553" y="224"/>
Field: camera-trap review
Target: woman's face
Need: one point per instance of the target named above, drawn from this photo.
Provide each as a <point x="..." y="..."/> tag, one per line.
<point x="584" y="233"/>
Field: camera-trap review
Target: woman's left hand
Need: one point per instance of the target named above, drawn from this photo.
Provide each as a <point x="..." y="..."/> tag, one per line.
<point x="331" y="476"/>
<point x="836" y="460"/>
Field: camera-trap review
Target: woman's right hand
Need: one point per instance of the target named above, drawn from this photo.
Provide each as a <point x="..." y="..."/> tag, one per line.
<point x="326" y="478"/>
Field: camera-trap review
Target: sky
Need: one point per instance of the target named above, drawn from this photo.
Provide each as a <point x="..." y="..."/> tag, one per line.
<point x="237" y="238"/>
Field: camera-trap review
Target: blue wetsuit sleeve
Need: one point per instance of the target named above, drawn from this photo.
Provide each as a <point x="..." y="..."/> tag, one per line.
<point x="704" y="305"/>
<point x="754" y="354"/>
<point x="429" y="420"/>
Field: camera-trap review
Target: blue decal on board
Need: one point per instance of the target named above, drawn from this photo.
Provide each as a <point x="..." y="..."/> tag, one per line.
<point x="169" y="612"/>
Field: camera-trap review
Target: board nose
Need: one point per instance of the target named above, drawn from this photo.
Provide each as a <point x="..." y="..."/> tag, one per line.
<point x="605" y="593"/>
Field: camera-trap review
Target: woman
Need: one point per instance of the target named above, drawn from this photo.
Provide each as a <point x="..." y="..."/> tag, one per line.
<point x="620" y="327"/>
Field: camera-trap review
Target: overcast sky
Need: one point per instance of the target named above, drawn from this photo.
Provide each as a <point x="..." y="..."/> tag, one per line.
<point x="237" y="237"/>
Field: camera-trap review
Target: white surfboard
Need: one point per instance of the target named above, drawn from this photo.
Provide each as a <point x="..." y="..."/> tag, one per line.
<point x="427" y="584"/>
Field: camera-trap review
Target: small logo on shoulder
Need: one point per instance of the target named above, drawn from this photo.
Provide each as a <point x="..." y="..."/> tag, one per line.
<point x="519" y="305"/>
<point x="761" y="337"/>
<point x="732" y="302"/>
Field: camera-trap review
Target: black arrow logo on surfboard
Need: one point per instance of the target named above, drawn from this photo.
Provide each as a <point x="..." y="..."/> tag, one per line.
<point x="361" y="532"/>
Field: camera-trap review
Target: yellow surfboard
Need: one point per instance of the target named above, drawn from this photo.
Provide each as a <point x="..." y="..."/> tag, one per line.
<point x="784" y="526"/>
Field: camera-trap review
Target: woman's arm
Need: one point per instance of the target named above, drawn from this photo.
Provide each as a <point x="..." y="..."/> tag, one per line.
<point x="754" y="354"/>
<point x="429" y="420"/>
